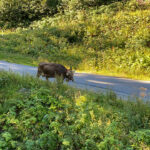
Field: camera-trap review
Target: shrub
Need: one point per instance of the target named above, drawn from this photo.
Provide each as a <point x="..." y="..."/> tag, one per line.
<point x="16" y="13"/>
<point x="35" y="114"/>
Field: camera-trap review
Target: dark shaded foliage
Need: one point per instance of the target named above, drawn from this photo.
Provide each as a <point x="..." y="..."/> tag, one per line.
<point x="16" y="13"/>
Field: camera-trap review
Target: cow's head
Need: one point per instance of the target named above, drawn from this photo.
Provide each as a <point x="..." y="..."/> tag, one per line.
<point x="70" y="74"/>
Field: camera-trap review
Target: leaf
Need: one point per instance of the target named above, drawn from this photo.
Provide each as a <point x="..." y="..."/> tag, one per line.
<point x="7" y="136"/>
<point x="66" y="142"/>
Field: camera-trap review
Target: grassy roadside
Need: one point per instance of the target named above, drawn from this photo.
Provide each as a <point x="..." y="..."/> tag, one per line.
<point x="31" y="61"/>
<point x="109" y="40"/>
<point x="38" y="115"/>
<point x="17" y="58"/>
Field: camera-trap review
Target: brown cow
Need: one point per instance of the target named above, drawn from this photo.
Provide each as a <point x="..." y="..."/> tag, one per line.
<point x="52" y="70"/>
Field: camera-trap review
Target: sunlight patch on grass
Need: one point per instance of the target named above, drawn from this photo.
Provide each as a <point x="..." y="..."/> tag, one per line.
<point x="5" y="32"/>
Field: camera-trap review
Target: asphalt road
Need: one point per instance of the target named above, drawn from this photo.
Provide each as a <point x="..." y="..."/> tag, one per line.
<point x="124" y="88"/>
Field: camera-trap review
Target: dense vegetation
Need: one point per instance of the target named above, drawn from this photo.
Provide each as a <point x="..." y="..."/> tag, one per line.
<point x="99" y="35"/>
<point x="38" y="115"/>
<point x="107" y="38"/>
<point x="21" y="13"/>
<point x="14" y="13"/>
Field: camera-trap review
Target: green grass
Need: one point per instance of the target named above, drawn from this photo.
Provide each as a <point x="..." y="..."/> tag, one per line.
<point x="17" y="58"/>
<point x="110" y="40"/>
<point x="36" y="114"/>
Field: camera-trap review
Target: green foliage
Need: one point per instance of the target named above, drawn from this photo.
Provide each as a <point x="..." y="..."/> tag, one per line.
<point x="21" y="12"/>
<point x="140" y="137"/>
<point x="67" y="5"/>
<point x="112" y="38"/>
<point x="40" y="115"/>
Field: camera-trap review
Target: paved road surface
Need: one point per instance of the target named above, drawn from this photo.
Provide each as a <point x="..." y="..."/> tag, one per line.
<point x="124" y="88"/>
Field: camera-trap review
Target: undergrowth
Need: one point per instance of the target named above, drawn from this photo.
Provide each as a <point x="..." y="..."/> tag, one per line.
<point x="110" y="38"/>
<point x="36" y="114"/>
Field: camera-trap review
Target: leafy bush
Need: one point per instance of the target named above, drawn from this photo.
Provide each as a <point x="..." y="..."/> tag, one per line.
<point x="21" y="12"/>
<point x="40" y="115"/>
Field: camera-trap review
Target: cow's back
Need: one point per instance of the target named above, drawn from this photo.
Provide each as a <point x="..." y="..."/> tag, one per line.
<point x="52" y="69"/>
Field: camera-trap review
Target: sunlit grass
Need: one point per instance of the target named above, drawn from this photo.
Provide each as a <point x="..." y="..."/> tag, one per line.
<point x="31" y="61"/>
<point x="5" y="32"/>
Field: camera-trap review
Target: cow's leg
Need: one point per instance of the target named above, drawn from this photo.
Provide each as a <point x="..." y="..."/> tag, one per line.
<point x="47" y="78"/>
<point x="39" y="72"/>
